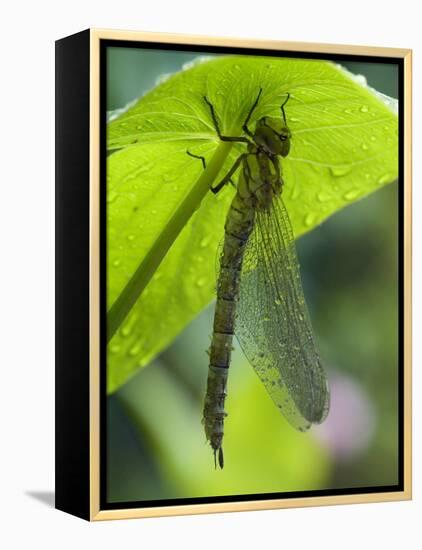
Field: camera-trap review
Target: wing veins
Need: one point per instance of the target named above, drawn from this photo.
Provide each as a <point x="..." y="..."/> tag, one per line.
<point x="274" y="280"/>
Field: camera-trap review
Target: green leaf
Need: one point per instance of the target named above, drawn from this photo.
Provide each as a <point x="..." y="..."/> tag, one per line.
<point x="164" y="226"/>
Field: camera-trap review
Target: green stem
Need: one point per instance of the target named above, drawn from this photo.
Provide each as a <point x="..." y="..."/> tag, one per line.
<point x="139" y="280"/>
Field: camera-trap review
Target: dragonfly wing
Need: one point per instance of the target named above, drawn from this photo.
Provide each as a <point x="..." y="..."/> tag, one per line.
<point x="273" y="325"/>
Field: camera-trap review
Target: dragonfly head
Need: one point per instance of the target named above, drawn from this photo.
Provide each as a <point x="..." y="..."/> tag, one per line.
<point x="273" y="135"/>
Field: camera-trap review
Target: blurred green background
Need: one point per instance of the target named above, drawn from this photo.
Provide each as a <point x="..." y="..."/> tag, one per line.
<point x="156" y="445"/>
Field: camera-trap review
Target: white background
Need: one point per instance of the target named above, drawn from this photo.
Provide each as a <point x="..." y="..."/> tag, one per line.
<point x="27" y="37"/>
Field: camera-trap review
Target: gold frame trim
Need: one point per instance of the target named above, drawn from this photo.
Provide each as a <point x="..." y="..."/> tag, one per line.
<point x="96" y="514"/>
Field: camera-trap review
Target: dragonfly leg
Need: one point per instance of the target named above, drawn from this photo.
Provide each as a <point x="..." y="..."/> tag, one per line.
<point x="282" y="108"/>
<point x="217" y="127"/>
<point x="204" y="164"/>
<point x="227" y="177"/>
<point x="202" y="159"/>
<point x="245" y="124"/>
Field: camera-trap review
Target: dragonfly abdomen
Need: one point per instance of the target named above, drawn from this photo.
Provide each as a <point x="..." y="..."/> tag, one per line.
<point x="238" y="227"/>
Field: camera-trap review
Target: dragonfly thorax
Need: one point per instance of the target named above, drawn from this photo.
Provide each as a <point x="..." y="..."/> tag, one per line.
<point x="260" y="181"/>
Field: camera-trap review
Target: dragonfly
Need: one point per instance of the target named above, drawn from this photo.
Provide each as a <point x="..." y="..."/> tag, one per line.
<point x="259" y="290"/>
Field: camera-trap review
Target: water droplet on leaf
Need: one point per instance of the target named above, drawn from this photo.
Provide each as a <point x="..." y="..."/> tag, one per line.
<point x="126" y="330"/>
<point x="341" y="170"/>
<point x="322" y="196"/>
<point x="309" y="219"/>
<point x="134" y="350"/>
<point x="352" y="194"/>
<point x="201" y="282"/>
<point x="205" y="241"/>
<point x="386" y="178"/>
<point x="295" y="192"/>
<point x="111" y="196"/>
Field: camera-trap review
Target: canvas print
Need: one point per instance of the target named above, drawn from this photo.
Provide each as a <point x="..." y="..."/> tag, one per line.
<point x="252" y="269"/>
